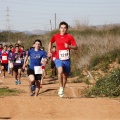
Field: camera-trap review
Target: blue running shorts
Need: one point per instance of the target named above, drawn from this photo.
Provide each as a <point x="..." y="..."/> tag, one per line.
<point x="63" y="63"/>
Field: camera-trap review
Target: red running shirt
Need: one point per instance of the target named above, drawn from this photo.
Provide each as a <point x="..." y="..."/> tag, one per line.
<point x="20" y="50"/>
<point x="5" y="57"/>
<point x="60" y="43"/>
<point x="53" y="55"/>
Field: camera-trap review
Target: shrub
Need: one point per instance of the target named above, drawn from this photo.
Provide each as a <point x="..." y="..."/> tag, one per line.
<point x="106" y="86"/>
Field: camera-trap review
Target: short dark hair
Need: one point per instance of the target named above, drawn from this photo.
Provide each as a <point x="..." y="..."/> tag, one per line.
<point x="10" y="46"/>
<point x="53" y="46"/>
<point x="63" y="23"/>
<point x="38" y="40"/>
<point x="16" y="46"/>
<point x="5" y="46"/>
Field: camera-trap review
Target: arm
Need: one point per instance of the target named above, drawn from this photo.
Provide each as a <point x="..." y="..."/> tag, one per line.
<point x="50" y="46"/>
<point x="13" y="57"/>
<point x="44" y="58"/>
<point x="72" y="47"/>
<point x="25" y="60"/>
<point x="73" y="44"/>
<point x="49" y="49"/>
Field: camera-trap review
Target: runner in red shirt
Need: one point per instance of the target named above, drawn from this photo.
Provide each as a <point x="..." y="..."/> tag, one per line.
<point x="53" y="67"/>
<point x="4" y="54"/>
<point x="20" y="50"/>
<point x="64" y="42"/>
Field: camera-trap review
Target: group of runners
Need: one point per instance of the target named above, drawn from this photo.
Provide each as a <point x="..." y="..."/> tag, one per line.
<point x="12" y="59"/>
<point x="36" y="59"/>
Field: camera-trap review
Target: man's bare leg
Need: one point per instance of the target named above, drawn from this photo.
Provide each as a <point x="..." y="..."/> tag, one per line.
<point x="64" y="79"/>
<point x="19" y="76"/>
<point x="37" y="87"/>
<point x="31" y="82"/>
<point x="60" y="77"/>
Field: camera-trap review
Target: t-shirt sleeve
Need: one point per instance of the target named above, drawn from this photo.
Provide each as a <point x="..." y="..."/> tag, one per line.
<point x="44" y="55"/>
<point x="28" y="52"/>
<point x="73" y="41"/>
<point x="52" y="39"/>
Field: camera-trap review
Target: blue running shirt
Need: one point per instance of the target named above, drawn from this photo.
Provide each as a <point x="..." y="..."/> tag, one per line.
<point x="35" y="57"/>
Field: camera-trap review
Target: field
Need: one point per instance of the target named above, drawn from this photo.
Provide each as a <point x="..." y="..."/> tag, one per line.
<point x="49" y="106"/>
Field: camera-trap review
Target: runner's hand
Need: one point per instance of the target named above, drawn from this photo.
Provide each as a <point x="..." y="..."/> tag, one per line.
<point x="49" y="54"/>
<point x="23" y="66"/>
<point x="66" y="45"/>
<point x="44" y="61"/>
<point x="16" y="56"/>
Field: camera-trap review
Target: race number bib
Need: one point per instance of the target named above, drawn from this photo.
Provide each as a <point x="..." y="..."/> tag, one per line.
<point x="64" y="54"/>
<point x="18" y="60"/>
<point x="4" y="57"/>
<point x="38" y="70"/>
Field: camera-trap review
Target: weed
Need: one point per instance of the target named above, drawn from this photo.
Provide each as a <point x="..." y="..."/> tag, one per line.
<point x="8" y="92"/>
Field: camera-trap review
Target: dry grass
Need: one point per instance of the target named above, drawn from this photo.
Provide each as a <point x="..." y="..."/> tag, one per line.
<point x="91" y="41"/>
<point x="96" y="45"/>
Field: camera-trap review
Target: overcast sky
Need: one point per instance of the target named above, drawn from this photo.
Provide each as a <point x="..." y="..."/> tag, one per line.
<point x="36" y="14"/>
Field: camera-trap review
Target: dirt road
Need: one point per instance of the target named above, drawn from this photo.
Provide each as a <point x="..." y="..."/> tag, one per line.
<point x="49" y="106"/>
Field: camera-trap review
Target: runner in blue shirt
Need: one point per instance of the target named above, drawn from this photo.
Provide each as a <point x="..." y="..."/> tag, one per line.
<point x="35" y="69"/>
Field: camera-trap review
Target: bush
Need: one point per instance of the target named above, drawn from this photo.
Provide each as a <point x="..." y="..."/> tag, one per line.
<point x="106" y="86"/>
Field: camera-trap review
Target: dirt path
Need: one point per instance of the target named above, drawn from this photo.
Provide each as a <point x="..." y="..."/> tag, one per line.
<point x="48" y="106"/>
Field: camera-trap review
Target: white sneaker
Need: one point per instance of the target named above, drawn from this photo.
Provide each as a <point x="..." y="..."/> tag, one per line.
<point x="61" y="92"/>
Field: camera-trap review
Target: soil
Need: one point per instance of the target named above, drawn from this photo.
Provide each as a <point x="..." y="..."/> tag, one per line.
<point x="49" y="106"/>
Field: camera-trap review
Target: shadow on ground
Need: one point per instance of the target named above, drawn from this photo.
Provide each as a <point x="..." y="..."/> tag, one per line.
<point x="47" y="90"/>
<point x="5" y="118"/>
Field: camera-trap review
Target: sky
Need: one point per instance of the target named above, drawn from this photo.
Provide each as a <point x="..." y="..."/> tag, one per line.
<point x="30" y="15"/>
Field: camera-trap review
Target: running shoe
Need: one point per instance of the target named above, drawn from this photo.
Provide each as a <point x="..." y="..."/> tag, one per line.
<point x="33" y="87"/>
<point x="32" y="94"/>
<point x="61" y="92"/>
<point x="18" y="82"/>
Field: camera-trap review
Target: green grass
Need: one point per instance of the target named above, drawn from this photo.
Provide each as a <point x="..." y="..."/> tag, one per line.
<point x="9" y="92"/>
